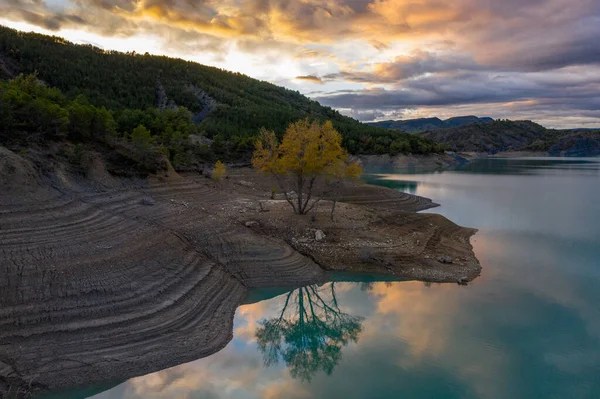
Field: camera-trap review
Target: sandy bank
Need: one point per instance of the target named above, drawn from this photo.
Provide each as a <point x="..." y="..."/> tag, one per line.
<point x="101" y="283"/>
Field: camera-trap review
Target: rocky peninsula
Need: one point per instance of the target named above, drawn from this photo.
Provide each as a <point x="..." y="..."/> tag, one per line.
<point x="104" y="278"/>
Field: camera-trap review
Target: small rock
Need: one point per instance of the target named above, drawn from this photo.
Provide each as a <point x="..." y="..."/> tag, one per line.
<point x="366" y="254"/>
<point x="445" y="259"/>
<point x="147" y="201"/>
<point x="252" y="223"/>
<point x="319" y="235"/>
<point x="463" y="280"/>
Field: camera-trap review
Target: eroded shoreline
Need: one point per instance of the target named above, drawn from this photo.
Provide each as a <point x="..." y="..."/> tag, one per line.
<point x="107" y="281"/>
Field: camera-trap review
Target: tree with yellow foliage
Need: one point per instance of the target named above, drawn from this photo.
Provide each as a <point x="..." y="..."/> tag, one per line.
<point x="219" y="171"/>
<point x="309" y="154"/>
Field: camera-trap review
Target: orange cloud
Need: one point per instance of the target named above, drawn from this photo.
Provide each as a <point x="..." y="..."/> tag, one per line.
<point x="287" y="388"/>
<point x="251" y="314"/>
<point x="310" y="78"/>
<point x="423" y="316"/>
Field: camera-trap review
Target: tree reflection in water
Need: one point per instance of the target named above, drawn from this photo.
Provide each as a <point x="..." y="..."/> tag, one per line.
<point x="309" y="333"/>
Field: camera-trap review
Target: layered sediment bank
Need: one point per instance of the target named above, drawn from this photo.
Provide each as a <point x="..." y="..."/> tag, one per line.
<point x="105" y="279"/>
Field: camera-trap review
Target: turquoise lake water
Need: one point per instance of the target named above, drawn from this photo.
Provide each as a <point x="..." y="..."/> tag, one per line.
<point x="529" y="327"/>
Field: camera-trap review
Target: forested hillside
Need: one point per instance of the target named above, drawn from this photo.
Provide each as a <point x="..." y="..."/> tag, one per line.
<point x="490" y="137"/>
<point x="506" y="135"/>
<point x="34" y="116"/>
<point x="137" y="89"/>
<point x="570" y="143"/>
<point x="426" y="124"/>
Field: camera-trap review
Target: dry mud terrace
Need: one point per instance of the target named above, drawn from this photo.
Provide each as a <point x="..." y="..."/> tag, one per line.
<point x="104" y="279"/>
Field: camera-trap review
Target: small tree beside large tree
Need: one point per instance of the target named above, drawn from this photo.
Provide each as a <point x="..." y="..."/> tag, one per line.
<point x="309" y="160"/>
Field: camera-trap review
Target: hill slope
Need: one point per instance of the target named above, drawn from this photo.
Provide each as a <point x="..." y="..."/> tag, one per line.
<point x="225" y="105"/>
<point x="575" y="143"/>
<point x="425" y="124"/>
<point x="505" y="135"/>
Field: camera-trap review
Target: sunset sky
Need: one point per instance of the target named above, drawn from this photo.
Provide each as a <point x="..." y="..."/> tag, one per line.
<point x="371" y="59"/>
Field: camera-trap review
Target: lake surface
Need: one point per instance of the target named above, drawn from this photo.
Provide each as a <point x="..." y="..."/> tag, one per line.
<point x="529" y="327"/>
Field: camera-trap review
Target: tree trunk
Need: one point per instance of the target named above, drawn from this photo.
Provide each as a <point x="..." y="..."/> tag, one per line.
<point x="285" y="194"/>
<point x="336" y="193"/>
<point x="308" y="195"/>
<point x="300" y="185"/>
<point x="333" y="208"/>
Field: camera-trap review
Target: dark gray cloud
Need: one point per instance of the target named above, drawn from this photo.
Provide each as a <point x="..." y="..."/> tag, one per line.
<point x="365" y="116"/>
<point x="48" y="21"/>
<point x="128" y="5"/>
<point x="406" y="67"/>
<point x="571" y="92"/>
<point x="572" y="44"/>
<point x="315" y="93"/>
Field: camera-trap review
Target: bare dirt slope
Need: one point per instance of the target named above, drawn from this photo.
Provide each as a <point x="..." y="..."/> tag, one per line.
<point x="105" y="280"/>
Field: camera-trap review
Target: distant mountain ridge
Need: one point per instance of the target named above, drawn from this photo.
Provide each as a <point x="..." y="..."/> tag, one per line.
<point x="424" y="124"/>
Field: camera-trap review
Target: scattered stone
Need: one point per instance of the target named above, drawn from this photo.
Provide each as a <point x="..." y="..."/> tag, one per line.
<point x="206" y="172"/>
<point x="463" y="281"/>
<point x="252" y="223"/>
<point x="147" y="201"/>
<point x="445" y="259"/>
<point x="245" y="183"/>
<point x="366" y="254"/>
<point x="319" y="235"/>
<point x="281" y="196"/>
